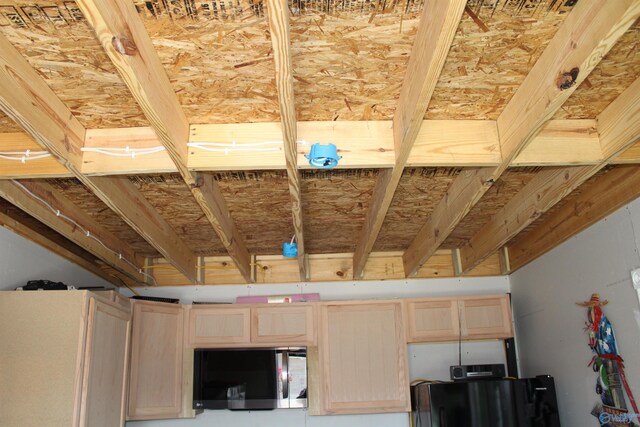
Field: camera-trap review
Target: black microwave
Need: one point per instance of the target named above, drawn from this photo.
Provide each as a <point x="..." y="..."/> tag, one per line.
<point x="250" y="379"/>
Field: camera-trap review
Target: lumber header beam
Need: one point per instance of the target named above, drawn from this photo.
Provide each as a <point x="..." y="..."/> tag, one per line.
<point x="619" y="126"/>
<point x="606" y="194"/>
<point x="125" y="40"/>
<point x="278" y="16"/>
<point x="584" y="38"/>
<point x="50" y="122"/>
<point x="438" y="24"/>
<point x="22" y="195"/>
<point x="362" y="144"/>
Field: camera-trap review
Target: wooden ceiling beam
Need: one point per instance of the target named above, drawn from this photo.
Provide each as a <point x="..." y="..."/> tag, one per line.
<point x="606" y="194"/>
<point x="69" y="251"/>
<point x="278" y="17"/>
<point x="619" y="128"/>
<point x="23" y="195"/>
<point x="436" y="30"/>
<point x="25" y="97"/>
<point x="585" y="37"/>
<point x="125" y="40"/>
<point x="363" y="144"/>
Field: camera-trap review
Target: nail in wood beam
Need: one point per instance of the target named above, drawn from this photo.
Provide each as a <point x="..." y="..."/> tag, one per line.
<point x="437" y="28"/>
<point x="587" y="34"/>
<point x="278" y="15"/>
<point x="25" y="97"/>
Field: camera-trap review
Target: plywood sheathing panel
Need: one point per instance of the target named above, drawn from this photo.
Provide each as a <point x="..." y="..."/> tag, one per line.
<point x="7" y="124"/>
<point x="334" y="205"/>
<point x="73" y="190"/>
<point x="56" y="40"/>
<point x="509" y="184"/>
<point x="491" y="54"/>
<point x="222" y="69"/>
<point x="350" y="66"/>
<point x="617" y="70"/>
<point x="418" y="193"/>
<point x="260" y="205"/>
<point x="570" y="199"/>
<point x="173" y="200"/>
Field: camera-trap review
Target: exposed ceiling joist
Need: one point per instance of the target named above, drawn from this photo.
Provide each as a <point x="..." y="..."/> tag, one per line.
<point x="431" y="45"/>
<point x="608" y="193"/>
<point x="107" y="248"/>
<point x="278" y="15"/>
<point x="440" y="143"/>
<point x="78" y="256"/>
<point x="25" y="97"/>
<point x="619" y="128"/>
<point x="587" y="34"/>
<point x="128" y="45"/>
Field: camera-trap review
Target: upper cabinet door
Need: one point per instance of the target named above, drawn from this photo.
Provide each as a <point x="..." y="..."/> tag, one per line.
<point x="214" y="326"/>
<point x="433" y="320"/>
<point x="283" y="324"/>
<point x="156" y="361"/>
<point x="486" y="317"/>
<point x="363" y="358"/>
<point x="105" y="371"/>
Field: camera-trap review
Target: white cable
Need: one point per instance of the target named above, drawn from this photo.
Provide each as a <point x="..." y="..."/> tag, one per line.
<point x="233" y="144"/>
<point x="228" y="150"/>
<point x="23" y="155"/>
<point x="83" y="230"/>
<point x="124" y="152"/>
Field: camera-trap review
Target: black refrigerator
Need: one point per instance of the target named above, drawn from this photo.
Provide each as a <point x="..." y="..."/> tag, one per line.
<point x="528" y="402"/>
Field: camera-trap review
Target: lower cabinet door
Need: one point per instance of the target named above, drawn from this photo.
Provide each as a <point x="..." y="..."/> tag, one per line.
<point x="155" y="389"/>
<point x="105" y="365"/>
<point x="363" y="358"/>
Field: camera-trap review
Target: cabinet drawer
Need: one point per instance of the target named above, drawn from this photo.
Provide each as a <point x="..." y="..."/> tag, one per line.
<point x="433" y="320"/>
<point x="289" y="324"/>
<point x="212" y="326"/>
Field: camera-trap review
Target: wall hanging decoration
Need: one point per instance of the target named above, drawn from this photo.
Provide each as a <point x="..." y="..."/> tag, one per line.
<point x="611" y="382"/>
<point x="323" y="156"/>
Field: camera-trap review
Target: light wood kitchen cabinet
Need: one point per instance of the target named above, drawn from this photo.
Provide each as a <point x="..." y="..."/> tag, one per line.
<point x="105" y="374"/>
<point x="214" y="326"/>
<point x="288" y="324"/>
<point x="450" y="319"/>
<point x="63" y="359"/>
<point x="155" y="390"/>
<point x="432" y="320"/>
<point x="363" y="361"/>
<point x="486" y="317"/>
<point x="251" y="325"/>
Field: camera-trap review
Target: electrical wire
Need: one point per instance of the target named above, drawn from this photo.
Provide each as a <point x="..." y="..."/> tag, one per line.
<point x="123" y="152"/>
<point x="24" y="156"/>
<point x="84" y="230"/>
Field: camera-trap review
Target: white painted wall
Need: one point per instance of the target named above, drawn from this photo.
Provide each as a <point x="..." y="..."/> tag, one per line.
<point x="549" y="325"/>
<point x="426" y="361"/>
<point x="22" y="260"/>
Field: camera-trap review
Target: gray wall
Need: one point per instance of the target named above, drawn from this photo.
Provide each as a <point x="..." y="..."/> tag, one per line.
<point x="22" y="260"/>
<point x="426" y="361"/>
<point x="549" y="324"/>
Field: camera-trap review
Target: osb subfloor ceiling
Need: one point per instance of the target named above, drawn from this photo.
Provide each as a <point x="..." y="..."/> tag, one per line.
<point x="349" y="59"/>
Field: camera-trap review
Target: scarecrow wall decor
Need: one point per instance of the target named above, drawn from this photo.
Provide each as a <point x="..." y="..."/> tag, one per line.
<point x="611" y="382"/>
